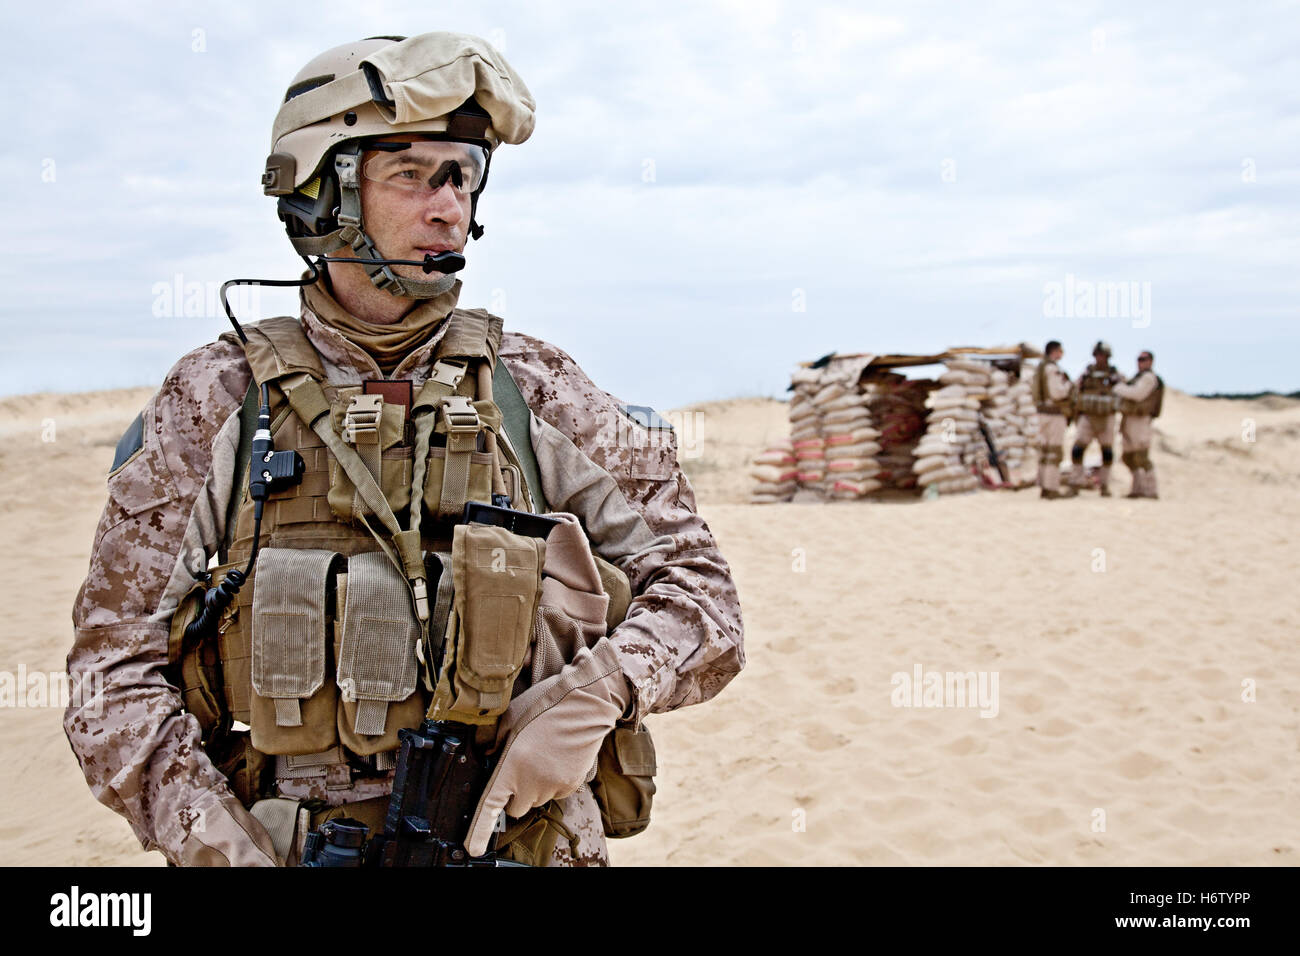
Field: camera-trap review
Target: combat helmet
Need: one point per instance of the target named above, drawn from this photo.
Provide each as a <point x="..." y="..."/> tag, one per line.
<point x="445" y="86"/>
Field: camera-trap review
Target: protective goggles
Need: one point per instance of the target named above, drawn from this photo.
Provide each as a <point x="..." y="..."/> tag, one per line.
<point x="425" y="167"/>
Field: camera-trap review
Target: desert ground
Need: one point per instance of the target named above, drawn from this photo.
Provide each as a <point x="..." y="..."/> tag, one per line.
<point x="1145" y="652"/>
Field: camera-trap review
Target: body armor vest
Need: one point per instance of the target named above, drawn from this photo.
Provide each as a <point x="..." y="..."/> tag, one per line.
<point x="1095" y="396"/>
<point x="320" y="654"/>
<point x="1046" y="405"/>
<point x="324" y="568"/>
<point x="1150" y="406"/>
<point x="327" y="514"/>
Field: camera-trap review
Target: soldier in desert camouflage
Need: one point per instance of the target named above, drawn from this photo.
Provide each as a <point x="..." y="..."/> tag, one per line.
<point x="1095" y="405"/>
<point x="417" y="124"/>
<point x="1141" y="398"/>
<point x="1052" y="392"/>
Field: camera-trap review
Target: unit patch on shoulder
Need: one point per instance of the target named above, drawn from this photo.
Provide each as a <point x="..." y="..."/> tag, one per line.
<point x="647" y="417"/>
<point x="129" y="445"/>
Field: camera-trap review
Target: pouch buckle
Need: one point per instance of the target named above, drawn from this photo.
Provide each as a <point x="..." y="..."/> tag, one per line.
<point x="361" y="422"/>
<point x="463" y="424"/>
<point x="447" y="373"/>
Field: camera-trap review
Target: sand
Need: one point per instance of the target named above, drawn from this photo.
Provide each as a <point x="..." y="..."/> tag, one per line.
<point x="1147" y="709"/>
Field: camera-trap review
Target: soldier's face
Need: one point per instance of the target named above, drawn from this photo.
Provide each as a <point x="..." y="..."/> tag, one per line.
<point x="410" y="223"/>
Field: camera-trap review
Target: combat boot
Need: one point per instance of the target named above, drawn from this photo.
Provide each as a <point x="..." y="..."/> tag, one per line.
<point x="1149" y="483"/>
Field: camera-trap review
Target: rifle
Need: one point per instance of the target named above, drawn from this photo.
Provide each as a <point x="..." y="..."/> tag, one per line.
<point x="440" y="776"/>
<point x="994" y="459"/>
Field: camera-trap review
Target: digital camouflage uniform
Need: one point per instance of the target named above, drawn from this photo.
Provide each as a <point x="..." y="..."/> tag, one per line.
<point x="680" y="644"/>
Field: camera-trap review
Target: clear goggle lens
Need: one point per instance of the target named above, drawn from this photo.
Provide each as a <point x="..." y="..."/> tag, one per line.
<point x="425" y="167"/>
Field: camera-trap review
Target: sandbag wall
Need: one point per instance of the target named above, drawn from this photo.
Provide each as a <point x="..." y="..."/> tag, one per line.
<point x="856" y="429"/>
<point x="953" y="448"/>
<point x="898" y="409"/>
<point x="774" y="474"/>
<point x="833" y="441"/>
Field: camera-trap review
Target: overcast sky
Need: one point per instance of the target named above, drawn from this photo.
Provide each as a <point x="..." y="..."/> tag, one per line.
<point x="713" y="192"/>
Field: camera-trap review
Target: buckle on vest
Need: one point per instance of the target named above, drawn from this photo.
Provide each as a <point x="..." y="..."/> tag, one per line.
<point x="448" y="373"/>
<point x="463" y="423"/>
<point x="361" y="422"/>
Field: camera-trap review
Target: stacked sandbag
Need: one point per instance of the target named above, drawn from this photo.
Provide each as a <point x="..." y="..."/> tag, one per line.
<point x="1002" y="416"/>
<point x="1025" y="419"/>
<point x="898" y="411"/>
<point x="851" y="441"/>
<point x="1009" y="411"/>
<point x="774" y="474"/>
<point x="806" y="441"/>
<point x="953" y="443"/>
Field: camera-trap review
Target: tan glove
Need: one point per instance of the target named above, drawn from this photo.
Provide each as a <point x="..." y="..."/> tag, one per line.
<point x="552" y="732"/>
<point x="225" y="834"/>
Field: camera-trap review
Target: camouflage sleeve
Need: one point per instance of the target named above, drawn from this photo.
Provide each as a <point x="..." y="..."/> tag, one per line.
<point x="1058" y="384"/>
<point x="139" y="750"/>
<point x="1141" y="388"/>
<point x="682" y="641"/>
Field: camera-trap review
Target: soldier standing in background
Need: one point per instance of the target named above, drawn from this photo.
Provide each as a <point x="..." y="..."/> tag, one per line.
<point x="1052" y="392"/>
<point x="1140" y="401"/>
<point x="1096" y="416"/>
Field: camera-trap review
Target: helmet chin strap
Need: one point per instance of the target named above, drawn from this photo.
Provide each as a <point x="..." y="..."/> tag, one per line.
<point x="384" y="277"/>
<point x="347" y="165"/>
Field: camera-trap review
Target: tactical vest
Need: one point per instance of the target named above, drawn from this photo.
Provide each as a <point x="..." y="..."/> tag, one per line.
<point x="1095" y="395"/>
<point x="1046" y="405"/>
<point x="1150" y="406"/>
<point x="319" y="650"/>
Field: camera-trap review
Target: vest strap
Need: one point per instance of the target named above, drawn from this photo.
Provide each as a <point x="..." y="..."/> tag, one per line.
<point x="515" y="422"/>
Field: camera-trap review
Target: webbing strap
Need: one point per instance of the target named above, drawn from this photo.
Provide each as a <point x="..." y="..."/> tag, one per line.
<point x="424" y="414"/>
<point x="462" y="440"/>
<point x="244" y="451"/>
<point x="515" y="417"/>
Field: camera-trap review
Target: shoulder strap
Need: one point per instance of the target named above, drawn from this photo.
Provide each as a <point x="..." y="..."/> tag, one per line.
<point x="244" y="451"/>
<point x="515" y="420"/>
<point x="278" y="347"/>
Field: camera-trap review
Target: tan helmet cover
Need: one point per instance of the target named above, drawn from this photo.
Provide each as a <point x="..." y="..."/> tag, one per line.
<point x="382" y="86"/>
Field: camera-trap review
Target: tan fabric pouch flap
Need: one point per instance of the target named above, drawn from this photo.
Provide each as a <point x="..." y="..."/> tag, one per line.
<point x="496" y="583"/>
<point x="377" y="664"/>
<point x="624" y="784"/>
<point x="291" y="698"/>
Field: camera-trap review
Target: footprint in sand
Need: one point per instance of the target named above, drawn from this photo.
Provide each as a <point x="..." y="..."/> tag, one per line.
<point x="1137" y="765"/>
<point x="964" y="746"/>
<point x="1056" y="727"/>
<point x="786" y="645"/>
<point x="840" y="686"/>
<point x="822" y="738"/>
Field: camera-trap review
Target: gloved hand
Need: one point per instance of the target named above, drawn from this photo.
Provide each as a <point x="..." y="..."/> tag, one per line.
<point x="225" y="834"/>
<point x="552" y="732"/>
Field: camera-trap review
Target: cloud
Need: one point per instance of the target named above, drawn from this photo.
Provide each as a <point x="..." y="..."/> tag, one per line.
<point x="918" y="172"/>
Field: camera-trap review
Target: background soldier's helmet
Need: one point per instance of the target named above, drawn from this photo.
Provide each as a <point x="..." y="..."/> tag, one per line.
<point x="1101" y="347"/>
<point x="444" y="85"/>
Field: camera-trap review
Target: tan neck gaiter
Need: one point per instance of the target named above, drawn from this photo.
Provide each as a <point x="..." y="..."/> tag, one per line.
<point x="387" y="344"/>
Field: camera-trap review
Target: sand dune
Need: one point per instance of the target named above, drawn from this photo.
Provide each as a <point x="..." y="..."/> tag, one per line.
<point x="1120" y="632"/>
